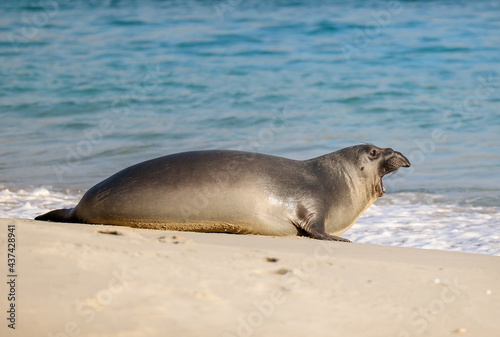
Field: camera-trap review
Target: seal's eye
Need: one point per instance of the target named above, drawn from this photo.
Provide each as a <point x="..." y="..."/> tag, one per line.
<point x="373" y="153"/>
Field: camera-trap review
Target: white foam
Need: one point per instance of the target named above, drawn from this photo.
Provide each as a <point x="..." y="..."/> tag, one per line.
<point x="414" y="220"/>
<point x="401" y="221"/>
<point x="30" y="202"/>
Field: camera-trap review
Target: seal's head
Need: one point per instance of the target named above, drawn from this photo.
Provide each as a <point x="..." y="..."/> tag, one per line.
<point x="376" y="162"/>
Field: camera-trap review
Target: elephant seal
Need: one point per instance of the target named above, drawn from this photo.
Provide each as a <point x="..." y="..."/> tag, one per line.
<point x="241" y="192"/>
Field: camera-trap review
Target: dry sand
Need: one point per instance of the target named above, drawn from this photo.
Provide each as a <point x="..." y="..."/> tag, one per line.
<point x="92" y="280"/>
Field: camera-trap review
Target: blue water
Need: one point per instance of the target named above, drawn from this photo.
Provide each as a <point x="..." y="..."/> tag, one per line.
<point x="90" y="87"/>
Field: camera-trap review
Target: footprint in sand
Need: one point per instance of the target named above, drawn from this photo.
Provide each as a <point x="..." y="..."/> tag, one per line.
<point x="175" y="239"/>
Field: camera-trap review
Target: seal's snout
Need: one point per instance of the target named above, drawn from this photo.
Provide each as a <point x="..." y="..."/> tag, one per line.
<point x="394" y="160"/>
<point x="404" y="162"/>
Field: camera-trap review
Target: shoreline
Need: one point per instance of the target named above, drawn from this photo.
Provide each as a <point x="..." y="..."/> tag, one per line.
<point x="96" y="280"/>
<point x="413" y="220"/>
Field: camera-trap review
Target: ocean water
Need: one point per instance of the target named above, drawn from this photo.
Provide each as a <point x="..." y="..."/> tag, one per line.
<point x="90" y="87"/>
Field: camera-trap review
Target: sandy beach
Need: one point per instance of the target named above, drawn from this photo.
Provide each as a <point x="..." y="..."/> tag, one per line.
<point x="96" y="93"/>
<point x="93" y="280"/>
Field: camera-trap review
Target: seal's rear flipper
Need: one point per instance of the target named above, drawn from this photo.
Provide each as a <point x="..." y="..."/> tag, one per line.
<point x="59" y="215"/>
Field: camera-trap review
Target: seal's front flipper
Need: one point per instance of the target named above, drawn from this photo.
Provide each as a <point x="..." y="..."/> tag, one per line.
<point x="325" y="236"/>
<point x="334" y="238"/>
<point x="315" y="228"/>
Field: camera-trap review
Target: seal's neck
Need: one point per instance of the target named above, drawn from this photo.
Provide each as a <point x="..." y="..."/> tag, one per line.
<point x="350" y="190"/>
<point x="367" y="187"/>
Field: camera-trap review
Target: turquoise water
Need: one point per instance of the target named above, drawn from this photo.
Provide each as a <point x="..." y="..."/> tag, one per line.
<point x="88" y="88"/>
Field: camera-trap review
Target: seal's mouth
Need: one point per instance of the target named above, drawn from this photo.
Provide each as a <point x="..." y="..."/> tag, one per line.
<point x="394" y="161"/>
